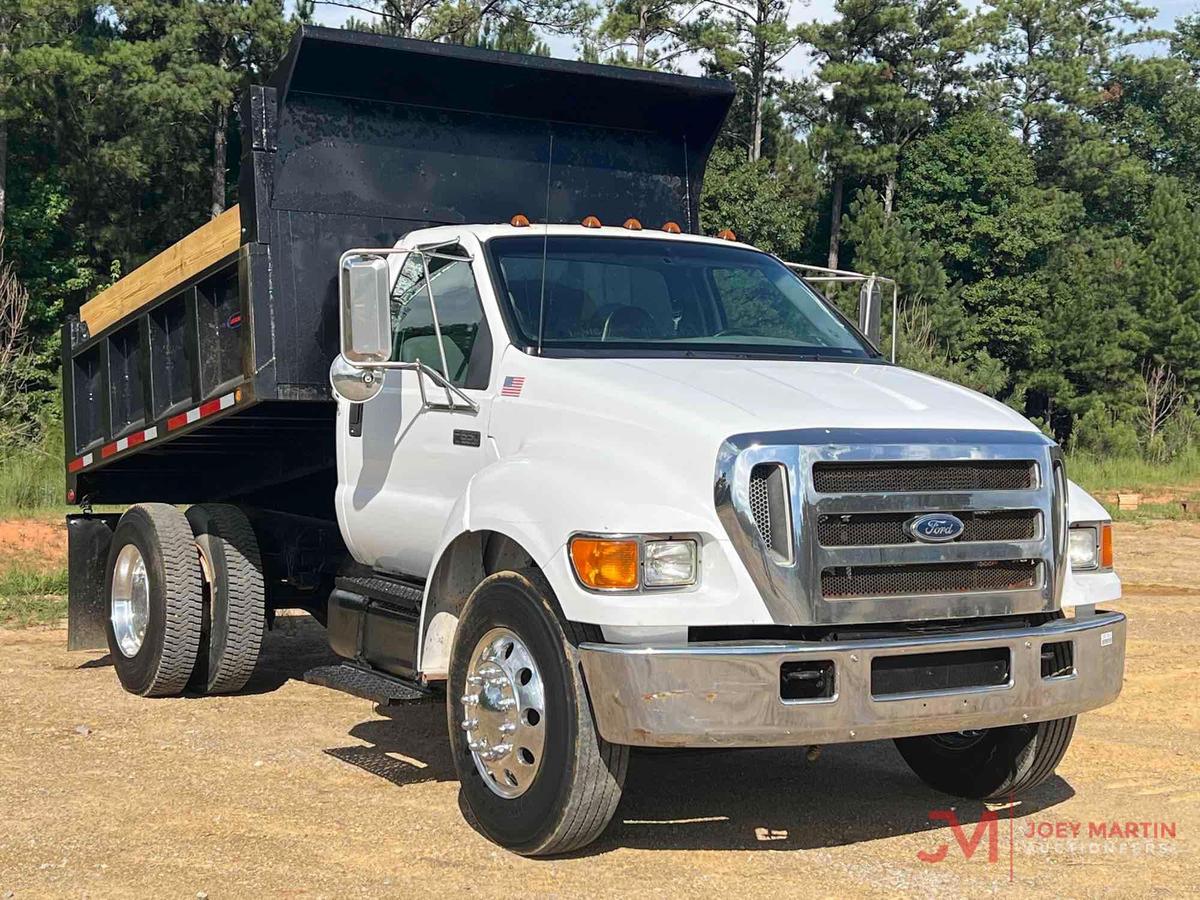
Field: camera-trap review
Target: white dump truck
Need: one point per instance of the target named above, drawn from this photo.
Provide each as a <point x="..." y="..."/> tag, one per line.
<point x="593" y="480"/>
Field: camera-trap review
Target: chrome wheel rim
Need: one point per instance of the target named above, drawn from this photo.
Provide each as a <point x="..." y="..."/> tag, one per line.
<point x="130" y="600"/>
<point x="504" y="713"/>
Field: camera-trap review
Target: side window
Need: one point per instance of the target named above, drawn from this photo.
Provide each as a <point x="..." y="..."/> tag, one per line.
<point x="466" y="341"/>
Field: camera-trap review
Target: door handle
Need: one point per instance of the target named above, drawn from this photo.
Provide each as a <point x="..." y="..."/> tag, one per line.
<point x="356" y="416"/>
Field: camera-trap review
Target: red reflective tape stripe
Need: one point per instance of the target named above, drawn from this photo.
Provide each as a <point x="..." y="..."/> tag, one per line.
<point x="212" y="406"/>
<point x="107" y="450"/>
<point x="136" y="438"/>
<point x="75" y="465"/>
<point x="177" y="421"/>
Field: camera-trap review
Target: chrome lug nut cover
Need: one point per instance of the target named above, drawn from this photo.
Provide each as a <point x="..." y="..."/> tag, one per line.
<point x="504" y="713"/>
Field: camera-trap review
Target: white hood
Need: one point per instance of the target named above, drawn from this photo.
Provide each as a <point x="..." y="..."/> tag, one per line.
<point x="721" y="397"/>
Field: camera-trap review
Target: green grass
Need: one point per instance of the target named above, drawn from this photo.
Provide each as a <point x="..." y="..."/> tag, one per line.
<point x="1131" y="473"/>
<point x="33" y="479"/>
<point x="32" y="597"/>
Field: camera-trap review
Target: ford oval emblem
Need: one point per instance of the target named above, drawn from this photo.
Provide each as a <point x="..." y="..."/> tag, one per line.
<point x="935" y="528"/>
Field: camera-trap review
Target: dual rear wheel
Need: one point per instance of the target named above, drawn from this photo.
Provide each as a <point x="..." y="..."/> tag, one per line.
<point x="186" y="599"/>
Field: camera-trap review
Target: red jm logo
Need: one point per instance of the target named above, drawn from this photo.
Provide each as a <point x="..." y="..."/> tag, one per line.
<point x="987" y="824"/>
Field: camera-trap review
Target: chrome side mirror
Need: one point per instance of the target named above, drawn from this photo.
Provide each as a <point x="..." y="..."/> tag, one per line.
<point x="870" y="315"/>
<point x="354" y="384"/>
<point x="364" y="298"/>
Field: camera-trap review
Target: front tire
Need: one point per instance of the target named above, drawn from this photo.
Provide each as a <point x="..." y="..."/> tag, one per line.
<point x="992" y="764"/>
<point x="154" y="601"/>
<point x="537" y="784"/>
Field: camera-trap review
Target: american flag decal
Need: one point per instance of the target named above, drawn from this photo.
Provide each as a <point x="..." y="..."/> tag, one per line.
<point x="512" y="386"/>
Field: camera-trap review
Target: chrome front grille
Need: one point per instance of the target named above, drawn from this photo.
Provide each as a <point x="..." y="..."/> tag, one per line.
<point x="871" y="529"/>
<point x="935" y="578"/>
<point x="841" y="554"/>
<point x="964" y="475"/>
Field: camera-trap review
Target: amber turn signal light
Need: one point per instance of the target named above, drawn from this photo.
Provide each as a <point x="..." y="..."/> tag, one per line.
<point x="671" y="228"/>
<point x="606" y="564"/>
<point x="590" y="222"/>
<point x="726" y="234"/>
<point x="519" y="221"/>
<point x="632" y="224"/>
<point x="1106" y="546"/>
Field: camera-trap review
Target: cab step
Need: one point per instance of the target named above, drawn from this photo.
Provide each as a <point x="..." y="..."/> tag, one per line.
<point x="378" y="687"/>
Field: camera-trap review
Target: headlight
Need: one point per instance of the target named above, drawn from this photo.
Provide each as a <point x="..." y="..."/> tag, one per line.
<point x="669" y="563"/>
<point x="1090" y="546"/>
<point x="632" y="562"/>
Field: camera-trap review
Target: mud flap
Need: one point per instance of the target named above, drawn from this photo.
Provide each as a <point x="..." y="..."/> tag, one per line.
<point x="88" y="540"/>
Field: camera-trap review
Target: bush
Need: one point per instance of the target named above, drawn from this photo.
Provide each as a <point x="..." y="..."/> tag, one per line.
<point x="1100" y="432"/>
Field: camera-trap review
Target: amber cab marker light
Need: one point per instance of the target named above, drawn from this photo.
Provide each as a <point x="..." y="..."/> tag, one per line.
<point x="1106" y="546"/>
<point x="606" y="564"/>
<point x="671" y="228"/>
<point x="590" y="222"/>
<point x="519" y="221"/>
<point x="726" y="234"/>
<point x="632" y="224"/>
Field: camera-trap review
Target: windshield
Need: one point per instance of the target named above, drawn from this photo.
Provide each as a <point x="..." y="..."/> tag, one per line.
<point x="605" y="294"/>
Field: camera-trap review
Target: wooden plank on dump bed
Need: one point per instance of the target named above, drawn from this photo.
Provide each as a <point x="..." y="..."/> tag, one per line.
<point x="208" y="244"/>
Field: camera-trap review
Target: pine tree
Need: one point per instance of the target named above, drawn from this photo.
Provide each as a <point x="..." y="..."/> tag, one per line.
<point x="30" y="31"/>
<point x="834" y="104"/>
<point x="1168" y="284"/>
<point x="647" y="34"/>
<point x="747" y="40"/>
<point x="1049" y="58"/>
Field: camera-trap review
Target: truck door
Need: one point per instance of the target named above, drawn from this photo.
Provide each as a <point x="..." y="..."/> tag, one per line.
<point x="403" y="465"/>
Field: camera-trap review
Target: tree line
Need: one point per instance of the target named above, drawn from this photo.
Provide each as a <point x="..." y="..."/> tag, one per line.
<point x="1029" y="170"/>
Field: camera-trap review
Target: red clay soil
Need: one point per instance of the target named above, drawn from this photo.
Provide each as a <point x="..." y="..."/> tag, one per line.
<point x="34" y="542"/>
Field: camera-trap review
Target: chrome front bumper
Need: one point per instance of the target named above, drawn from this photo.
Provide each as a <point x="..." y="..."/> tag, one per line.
<point x="728" y="694"/>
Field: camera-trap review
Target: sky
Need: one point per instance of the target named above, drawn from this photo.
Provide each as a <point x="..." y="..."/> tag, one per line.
<point x="795" y="65"/>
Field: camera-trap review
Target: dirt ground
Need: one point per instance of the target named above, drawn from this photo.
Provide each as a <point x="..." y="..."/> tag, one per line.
<point x="36" y="543"/>
<point x="295" y="790"/>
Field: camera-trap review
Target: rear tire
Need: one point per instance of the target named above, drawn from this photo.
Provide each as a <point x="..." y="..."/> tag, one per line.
<point x="154" y="649"/>
<point x="577" y="775"/>
<point x="236" y="598"/>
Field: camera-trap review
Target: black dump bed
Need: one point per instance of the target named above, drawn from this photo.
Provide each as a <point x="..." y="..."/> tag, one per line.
<point x="216" y="386"/>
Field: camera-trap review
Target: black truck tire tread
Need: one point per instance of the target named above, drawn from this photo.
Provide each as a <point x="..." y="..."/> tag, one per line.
<point x="181" y="633"/>
<point x="1053" y="741"/>
<point x="246" y="595"/>
<point x="605" y="765"/>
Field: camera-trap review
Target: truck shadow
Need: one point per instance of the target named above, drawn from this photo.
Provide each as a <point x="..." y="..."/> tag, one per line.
<point x="771" y="799"/>
<point x="774" y="799"/>
<point x="296" y="644"/>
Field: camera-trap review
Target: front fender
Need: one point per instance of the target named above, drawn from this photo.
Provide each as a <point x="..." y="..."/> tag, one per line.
<point x="539" y="501"/>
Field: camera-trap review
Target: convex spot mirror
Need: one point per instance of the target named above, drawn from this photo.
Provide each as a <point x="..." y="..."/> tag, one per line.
<point x="354" y="384"/>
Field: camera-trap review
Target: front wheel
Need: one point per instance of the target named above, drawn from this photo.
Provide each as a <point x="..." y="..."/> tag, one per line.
<point x="536" y="776"/>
